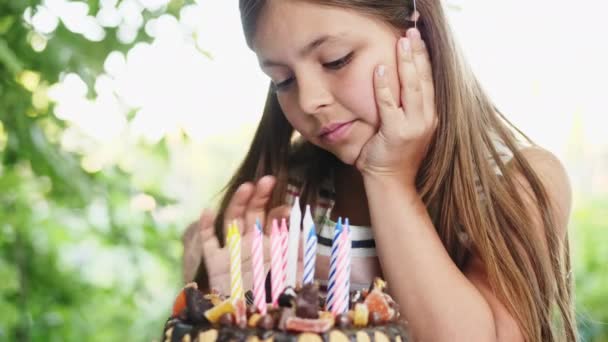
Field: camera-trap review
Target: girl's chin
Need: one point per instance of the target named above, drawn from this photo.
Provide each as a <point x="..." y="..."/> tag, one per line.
<point x="348" y="155"/>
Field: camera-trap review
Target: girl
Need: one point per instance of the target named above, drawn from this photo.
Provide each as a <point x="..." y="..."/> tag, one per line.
<point x="372" y="114"/>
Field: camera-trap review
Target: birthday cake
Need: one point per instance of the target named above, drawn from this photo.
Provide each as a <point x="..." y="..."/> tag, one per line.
<point x="301" y="315"/>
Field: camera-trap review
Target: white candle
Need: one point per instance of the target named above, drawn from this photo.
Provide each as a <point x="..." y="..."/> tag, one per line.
<point x="295" y="221"/>
<point x="309" y="246"/>
<point x="307" y="224"/>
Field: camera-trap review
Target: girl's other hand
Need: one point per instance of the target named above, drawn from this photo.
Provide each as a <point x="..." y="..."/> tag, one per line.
<point x="405" y="132"/>
<point x="247" y="204"/>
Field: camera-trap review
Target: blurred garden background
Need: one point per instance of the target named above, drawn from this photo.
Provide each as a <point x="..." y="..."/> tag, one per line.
<point x="121" y="119"/>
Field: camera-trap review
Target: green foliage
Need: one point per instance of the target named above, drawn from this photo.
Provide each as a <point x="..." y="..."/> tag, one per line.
<point x="590" y="237"/>
<point x="77" y="262"/>
<point x="75" y="259"/>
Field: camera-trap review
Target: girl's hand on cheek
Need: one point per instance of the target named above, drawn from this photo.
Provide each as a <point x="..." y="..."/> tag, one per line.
<point x="400" y="144"/>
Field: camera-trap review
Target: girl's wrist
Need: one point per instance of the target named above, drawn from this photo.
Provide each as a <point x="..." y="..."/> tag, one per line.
<point x="390" y="182"/>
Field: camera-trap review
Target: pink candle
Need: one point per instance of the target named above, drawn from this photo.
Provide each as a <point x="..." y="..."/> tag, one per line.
<point x="341" y="302"/>
<point x="284" y="248"/>
<point x="257" y="251"/>
<point x="348" y="245"/>
<point x="276" y="262"/>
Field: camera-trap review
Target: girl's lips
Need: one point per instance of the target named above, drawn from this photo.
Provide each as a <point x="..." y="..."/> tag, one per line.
<point x="336" y="132"/>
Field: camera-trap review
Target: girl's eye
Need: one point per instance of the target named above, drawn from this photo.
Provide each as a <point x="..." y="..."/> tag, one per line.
<point x="335" y="65"/>
<point x="277" y="87"/>
<point x="340" y="63"/>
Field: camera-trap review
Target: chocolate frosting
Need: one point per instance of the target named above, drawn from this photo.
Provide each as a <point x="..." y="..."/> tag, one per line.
<point x="303" y="303"/>
<point x="233" y="333"/>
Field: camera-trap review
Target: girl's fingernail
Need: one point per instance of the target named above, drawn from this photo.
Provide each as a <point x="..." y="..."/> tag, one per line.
<point x="380" y="70"/>
<point x="413" y="33"/>
<point x="405" y="44"/>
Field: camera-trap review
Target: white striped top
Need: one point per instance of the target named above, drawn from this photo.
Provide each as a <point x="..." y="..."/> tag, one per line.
<point x="364" y="264"/>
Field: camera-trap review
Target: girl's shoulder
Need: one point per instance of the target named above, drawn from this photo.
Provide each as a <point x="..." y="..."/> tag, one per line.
<point x="548" y="169"/>
<point x="505" y="153"/>
<point x="554" y="179"/>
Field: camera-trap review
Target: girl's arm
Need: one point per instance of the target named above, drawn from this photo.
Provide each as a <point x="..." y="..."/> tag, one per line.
<point x="440" y="302"/>
<point x="192" y="252"/>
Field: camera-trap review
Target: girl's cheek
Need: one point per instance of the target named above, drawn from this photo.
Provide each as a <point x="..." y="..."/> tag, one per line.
<point x="357" y="94"/>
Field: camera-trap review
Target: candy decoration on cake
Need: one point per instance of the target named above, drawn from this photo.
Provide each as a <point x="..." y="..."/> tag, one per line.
<point x="201" y="316"/>
<point x="295" y="221"/>
<point x="310" y="249"/>
<point x="276" y="263"/>
<point x="284" y="248"/>
<point x="257" y="252"/>
<point x="331" y="281"/>
<point x="234" y="246"/>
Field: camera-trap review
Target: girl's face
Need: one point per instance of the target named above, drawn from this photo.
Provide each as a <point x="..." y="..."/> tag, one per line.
<point x="321" y="61"/>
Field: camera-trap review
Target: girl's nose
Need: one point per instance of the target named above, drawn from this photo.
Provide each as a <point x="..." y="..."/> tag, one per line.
<point x="313" y="95"/>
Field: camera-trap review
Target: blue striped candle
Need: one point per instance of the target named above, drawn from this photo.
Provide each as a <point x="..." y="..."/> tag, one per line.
<point x="348" y="256"/>
<point x="307" y="224"/>
<point x="331" y="282"/>
<point x="310" y="256"/>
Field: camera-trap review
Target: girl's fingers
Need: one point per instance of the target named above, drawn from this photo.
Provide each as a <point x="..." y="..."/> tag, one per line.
<point x="238" y="205"/>
<point x="387" y="108"/>
<point x="276" y="213"/>
<point x="246" y="252"/>
<point x="210" y="247"/>
<point x="411" y="89"/>
<point x="256" y="208"/>
<point x="422" y="62"/>
<point x="208" y="238"/>
<point x="206" y="224"/>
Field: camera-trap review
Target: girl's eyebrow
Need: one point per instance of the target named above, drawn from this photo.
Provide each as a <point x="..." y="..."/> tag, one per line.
<point x="308" y="48"/>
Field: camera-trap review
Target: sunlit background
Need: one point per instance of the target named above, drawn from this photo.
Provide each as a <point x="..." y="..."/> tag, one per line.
<point x="121" y="119"/>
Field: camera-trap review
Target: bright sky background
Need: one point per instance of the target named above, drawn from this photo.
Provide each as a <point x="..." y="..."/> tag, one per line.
<point x="539" y="60"/>
<point x="543" y="62"/>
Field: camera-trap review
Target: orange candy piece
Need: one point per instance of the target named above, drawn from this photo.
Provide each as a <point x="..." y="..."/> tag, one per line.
<point x="180" y="303"/>
<point x="318" y="325"/>
<point x="376" y="302"/>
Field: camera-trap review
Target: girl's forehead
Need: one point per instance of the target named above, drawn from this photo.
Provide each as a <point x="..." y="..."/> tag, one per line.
<point x="293" y="24"/>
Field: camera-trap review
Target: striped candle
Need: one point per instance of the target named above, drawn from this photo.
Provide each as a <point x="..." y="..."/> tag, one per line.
<point x="276" y="262"/>
<point x="257" y="252"/>
<point x="331" y="282"/>
<point x="295" y="223"/>
<point x="310" y="255"/>
<point x="307" y="224"/>
<point x="348" y="247"/>
<point x="340" y="304"/>
<point x="348" y="253"/>
<point x="284" y="248"/>
<point x="234" y="247"/>
<point x="310" y="247"/>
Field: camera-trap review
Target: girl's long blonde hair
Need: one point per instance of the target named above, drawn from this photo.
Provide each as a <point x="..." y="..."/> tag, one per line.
<point x="535" y="287"/>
